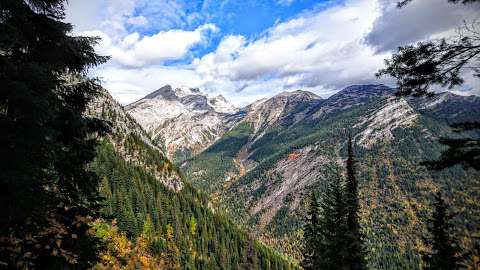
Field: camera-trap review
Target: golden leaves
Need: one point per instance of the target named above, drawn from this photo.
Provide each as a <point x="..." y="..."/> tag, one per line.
<point x="121" y="253"/>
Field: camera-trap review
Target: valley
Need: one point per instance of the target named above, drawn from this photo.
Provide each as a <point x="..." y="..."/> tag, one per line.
<point x="151" y="201"/>
<point x="282" y="135"/>
<point x="262" y="166"/>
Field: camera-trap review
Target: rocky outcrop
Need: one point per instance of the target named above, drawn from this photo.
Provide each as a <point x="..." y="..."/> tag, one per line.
<point x="183" y="121"/>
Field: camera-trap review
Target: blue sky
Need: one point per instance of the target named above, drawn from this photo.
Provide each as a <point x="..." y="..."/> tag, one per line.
<point x="249" y="49"/>
<point x="248" y="18"/>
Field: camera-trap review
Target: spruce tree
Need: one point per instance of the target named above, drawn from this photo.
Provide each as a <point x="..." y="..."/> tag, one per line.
<point x="311" y="235"/>
<point x="333" y="247"/>
<point x="46" y="140"/>
<point x="356" y="257"/>
<point x="444" y="249"/>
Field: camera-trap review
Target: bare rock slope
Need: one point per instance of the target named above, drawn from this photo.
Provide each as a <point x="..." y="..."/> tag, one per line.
<point x="183" y="121"/>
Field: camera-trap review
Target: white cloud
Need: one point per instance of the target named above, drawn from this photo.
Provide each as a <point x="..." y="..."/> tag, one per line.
<point x="137" y="21"/>
<point x="318" y="51"/>
<point x="84" y="14"/>
<point x="136" y="51"/>
<point x="418" y="20"/>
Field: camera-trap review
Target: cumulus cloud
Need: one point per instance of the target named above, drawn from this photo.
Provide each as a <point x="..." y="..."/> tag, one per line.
<point x="85" y="14"/>
<point x="318" y="51"/>
<point x="417" y="21"/>
<point x="136" y="51"/>
<point x="423" y="20"/>
<point x="118" y="17"/>
<point x="321" y="50"/>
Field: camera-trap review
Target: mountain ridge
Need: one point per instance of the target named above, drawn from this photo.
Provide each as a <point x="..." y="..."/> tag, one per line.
<point x="263" y="176"/>
<point x="184" y="121"/>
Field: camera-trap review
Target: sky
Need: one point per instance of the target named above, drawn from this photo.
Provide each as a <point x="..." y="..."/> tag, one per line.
<point x="247" y="50"/>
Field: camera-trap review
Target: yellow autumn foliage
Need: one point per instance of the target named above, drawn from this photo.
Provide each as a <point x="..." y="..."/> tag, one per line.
<point x="123" y="254"/>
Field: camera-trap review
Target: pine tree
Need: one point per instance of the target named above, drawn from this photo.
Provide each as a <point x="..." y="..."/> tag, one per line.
<point x="444" y="247"/>
<point x="48" y="138"/>
<point x="311" y="235"/>
<point x="333" y="229"/>
<point x="355" y="258"/>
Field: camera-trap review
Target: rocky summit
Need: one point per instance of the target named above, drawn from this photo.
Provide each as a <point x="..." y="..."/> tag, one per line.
<point x="183" y="121"/>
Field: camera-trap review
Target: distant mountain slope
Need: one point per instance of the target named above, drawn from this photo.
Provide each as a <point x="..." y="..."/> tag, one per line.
<point x="150" y="200"/>
<point x="183" y="121"/>
<point x="264" y="167"/>
<point x="132" y="142"/>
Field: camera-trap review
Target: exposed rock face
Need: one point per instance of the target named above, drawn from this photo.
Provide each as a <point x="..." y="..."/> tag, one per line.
<point x="379" y="124"/>
<point x="124" y="128"/>
<point x="183" y="121"/>
<point x="283" y="109"/>
<point x="298" y="170"/>
<point x="220" y="104"/>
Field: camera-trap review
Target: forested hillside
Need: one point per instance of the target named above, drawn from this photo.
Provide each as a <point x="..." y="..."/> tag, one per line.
<point x="266" y="176"/>
<point x="152" y="203"/>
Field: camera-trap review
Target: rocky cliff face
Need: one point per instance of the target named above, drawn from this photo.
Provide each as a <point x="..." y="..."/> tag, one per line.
<point x="183" y="121"/>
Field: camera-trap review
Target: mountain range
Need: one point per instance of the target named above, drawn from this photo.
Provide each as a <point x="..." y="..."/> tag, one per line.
<point x="260" y="162"/>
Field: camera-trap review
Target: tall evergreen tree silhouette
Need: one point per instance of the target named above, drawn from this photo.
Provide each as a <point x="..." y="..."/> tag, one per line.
<point x="444" y="247"/>
<point x="333" y="228"/>
<point x="356" y="257"/>
<point x="46" y="140"/>
<point x="311" y="249"/>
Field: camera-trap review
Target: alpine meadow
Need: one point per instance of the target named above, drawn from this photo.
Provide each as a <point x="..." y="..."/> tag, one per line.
<point x="256" y="134"/>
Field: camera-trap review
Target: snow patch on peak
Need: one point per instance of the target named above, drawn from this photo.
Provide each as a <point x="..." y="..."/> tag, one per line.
<point x="219" y="98"/>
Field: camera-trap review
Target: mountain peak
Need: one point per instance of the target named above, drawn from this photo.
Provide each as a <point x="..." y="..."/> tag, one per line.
<point x="183" y="120"/>
<point x="358" y="93"/>
<point x="296" y="96"/>
<point x="220" y="104"/>
<point x="165" y="92"/>
<point x="219" y="98"/>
